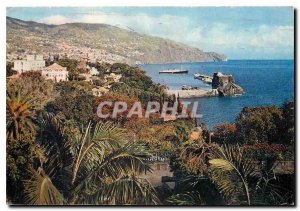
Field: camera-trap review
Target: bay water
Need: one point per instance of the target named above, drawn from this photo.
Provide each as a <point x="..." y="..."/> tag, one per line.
<point x="265" y="82"/>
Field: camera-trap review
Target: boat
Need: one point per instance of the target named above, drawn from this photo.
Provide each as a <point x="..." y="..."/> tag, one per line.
<point x="173" y="71"/>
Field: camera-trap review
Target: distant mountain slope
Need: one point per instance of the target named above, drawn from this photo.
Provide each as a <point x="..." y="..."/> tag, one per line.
<point x="101" y="42"/>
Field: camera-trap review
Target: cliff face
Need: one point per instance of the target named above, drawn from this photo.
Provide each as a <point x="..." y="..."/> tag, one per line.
<point x="102" y="42"/>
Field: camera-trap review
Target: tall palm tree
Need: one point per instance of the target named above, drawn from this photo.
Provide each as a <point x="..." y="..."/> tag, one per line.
<point x="20" y="113"/>
<point x="107" y="157"/>
<point x="105" y="168"/>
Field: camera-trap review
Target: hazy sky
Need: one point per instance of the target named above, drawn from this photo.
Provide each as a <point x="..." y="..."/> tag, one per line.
<point x="238" y="32"/>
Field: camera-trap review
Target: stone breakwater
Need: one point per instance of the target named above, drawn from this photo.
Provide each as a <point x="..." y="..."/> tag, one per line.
<point x="222" y="85"/>
<point x="192" y="93"/>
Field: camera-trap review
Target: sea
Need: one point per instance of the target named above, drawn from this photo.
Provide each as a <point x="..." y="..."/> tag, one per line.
<point x="265" y="82"/>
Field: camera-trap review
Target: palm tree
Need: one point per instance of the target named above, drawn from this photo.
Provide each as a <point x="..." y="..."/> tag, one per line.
<point x="242" y="180"/>
<point x="20" y="114"/>
<point x="107" y="157"/>
<point x="105" y="168"/>
<point x="21" y="150"/>
<point x="230" y="172"/>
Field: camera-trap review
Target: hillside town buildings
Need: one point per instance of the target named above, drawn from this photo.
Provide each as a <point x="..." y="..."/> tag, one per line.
<point x="31" y="63"/>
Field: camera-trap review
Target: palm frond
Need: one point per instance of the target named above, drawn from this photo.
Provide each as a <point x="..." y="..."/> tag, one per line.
<point x="127" y="161"/>
<point x="39" y="190"/>
<point x="221" y="164"/>
<point x="109" y="132"/>
<point x="59" y="149"/>
<point x="105" y="139"/>
<point x="195" y="190"/>
<point x="185" y="199"/>
<point x="230" y="171"/>
<point x="128" y="191"/>
<point x="20" y="113"/>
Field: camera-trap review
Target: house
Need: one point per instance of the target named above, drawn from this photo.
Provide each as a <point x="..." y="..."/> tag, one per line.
<point x="55" y="72"/>
<point x="31" y="63"/>
<point x="114" y="77"/>
<point x="99" y="91"/>
<point x="94" y="71"/>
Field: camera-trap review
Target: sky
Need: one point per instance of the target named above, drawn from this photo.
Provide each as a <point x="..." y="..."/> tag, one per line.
<point x="237" y="32"/>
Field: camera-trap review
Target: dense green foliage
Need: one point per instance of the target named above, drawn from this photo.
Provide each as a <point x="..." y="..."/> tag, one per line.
<point x="34" y="87"/>
<point x="243" y="163"/>
<point x="266" y="131"/>
<point x="71" y="65"/>
<point x="261" y="124"/>
<point x="136" y="83"/>
<point x="60" y="152"/>
<point x="79" y="108"/>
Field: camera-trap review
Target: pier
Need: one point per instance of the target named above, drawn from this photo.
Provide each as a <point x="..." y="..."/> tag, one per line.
<point x="192" y="93"/>
<point x="205" y="78"/>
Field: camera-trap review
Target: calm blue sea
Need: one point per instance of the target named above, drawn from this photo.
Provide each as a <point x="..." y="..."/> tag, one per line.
<point x="265" y="82"/>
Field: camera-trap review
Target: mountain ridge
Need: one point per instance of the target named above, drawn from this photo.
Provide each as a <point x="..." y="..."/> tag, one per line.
<point x="101" y="42"/>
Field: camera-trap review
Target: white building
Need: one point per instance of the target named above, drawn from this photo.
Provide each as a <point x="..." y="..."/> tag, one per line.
<point x="115" y="77"/>
<point x="55" y="72"/>
<point x="31" y="63"/>
<point x="94" y="71"/>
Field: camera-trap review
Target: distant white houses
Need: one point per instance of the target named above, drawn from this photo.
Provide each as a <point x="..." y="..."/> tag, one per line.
<point x="114" y="77"/>
<point x="31" y="63"/>
<point x="94" y="71"/>
<point x="55" y="72"/>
